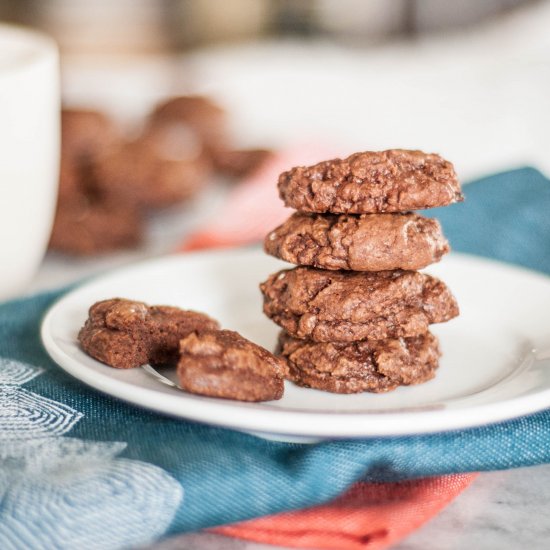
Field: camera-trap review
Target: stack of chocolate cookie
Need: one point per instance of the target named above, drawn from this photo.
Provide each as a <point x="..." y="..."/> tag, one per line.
<point x="355" y="313"/>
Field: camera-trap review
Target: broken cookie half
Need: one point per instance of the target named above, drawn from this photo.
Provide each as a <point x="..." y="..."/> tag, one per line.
<point x="222" y="363"/>
<point x="126" y="334"/>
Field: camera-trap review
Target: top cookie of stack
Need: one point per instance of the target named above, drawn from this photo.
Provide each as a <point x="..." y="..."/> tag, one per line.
<point x="396" y="180"/>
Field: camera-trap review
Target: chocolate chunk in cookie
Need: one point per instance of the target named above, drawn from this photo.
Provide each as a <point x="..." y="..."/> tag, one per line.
<point x="344" y="306"/>
<point x="222" y="363"/>
<point x="372" y="366"/>
<point x="126" y="334"/>
<point x="370" y="242"/>
<point x="396" y="180"/>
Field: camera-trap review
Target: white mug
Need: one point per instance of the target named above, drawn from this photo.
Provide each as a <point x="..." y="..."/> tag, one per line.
<point x="29" y="152"/>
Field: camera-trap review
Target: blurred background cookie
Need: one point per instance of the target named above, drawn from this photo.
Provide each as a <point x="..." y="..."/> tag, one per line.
<point x="85" y="227"/>
<point x="111" y="180"/>
<point x="86" y="132"/>
<point x="150" y="174"/>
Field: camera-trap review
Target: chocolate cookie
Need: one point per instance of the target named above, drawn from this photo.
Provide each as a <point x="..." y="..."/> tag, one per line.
<point x="371" y="242"/>
<point x="222" y="363"/>
<point x="198" y="114"/>
<point x="173" y="141"/>
<point x="396" y="180"/>
<point x="116" y="333"/>
<point x="85" y="226"/>
<point x="85" y="132"/>
<point x="373" y="366"/>
<point x="238" y="163"/>
<point x="345" y="306"/>
<point x="149" y="176"/>
<point x="126" y="334"/>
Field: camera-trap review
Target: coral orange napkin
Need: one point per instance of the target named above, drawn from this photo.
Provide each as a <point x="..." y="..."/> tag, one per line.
<point x="369" y="516"/>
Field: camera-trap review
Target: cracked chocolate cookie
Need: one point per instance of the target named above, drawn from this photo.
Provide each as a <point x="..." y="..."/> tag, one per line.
<point x="396" y="180"/>
<point x="222" y="363"/>
<point x="346" y="306"/>
<point x="368" y="365"/>
<point x="370" y="242"/>
<point x="126" y="333"/>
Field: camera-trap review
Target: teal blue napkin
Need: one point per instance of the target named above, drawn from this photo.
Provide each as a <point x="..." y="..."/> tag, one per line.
<point x="79" y="469"/>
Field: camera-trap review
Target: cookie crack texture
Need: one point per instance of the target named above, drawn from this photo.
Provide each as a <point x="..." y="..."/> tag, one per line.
<point x="369" y="242"/>
<point x="344" y="306"/>
<point x="368" y="365"/>
<point x="395" y="180"/>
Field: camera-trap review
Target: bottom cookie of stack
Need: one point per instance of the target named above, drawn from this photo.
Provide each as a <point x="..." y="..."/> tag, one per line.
<point x="363" y="366"/>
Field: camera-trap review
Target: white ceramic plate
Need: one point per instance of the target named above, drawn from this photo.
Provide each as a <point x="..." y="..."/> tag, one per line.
<point x="488" y="370"/>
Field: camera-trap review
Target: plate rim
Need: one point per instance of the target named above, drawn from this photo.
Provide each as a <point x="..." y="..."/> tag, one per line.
<point x="321" y="424"/>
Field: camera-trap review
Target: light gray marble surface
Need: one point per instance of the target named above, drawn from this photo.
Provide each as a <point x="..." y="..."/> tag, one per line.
<point x="501" y="510"/>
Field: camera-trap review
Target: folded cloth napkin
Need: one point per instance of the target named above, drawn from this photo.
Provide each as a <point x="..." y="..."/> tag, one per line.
<point x="80" y="469"/>
<point x="369" y="516"/>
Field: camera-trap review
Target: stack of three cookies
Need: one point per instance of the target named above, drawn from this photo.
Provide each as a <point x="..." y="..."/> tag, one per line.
<point x="355" y="313"/>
